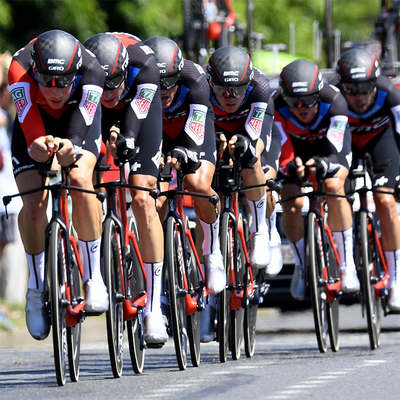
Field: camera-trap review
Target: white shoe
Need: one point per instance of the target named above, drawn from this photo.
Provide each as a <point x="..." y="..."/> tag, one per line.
<point x="350" y="282"/>
<point x="96" y="296"/>
<point x="215" y="273"/>
<point x="37" y="315"/>
<point x="155" y="328"/>
<point x="260" y="256"/>
<point x="394" y="298"/>
<point x="276" y="263"/>
<point x="298" y="285"/>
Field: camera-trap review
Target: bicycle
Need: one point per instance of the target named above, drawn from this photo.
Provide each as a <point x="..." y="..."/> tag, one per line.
<point x="124" y="273"/>
<point x="322" y="275"/>
<point x="238" y="304"/>
<point x="368" y="253"/>
<point x="184" y="280"/>
<point x="64" y="269"/>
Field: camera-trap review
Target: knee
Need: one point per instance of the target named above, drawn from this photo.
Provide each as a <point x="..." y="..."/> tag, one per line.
<point x="386" y="205"/>
<point x="34" y="207"/>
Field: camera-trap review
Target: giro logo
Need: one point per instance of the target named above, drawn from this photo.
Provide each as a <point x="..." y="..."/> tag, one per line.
<point x="94" y="248"/>
<point x="261" y="203"/>
<point x="157" y="270"/>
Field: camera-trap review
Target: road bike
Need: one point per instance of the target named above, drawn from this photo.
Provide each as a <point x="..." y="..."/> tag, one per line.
<point x="322" y="275"/>
<point x="64" y="270"/>
<point x="184" y="279"/>
<point x="124" y="273"/>
<point x="368" y="253"/>
<point x="237" y="304"/>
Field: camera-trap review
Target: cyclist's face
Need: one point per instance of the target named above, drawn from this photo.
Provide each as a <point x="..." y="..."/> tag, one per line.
<point x="361" y="102"/>
<point x="304" y="114"/>
<point x="167" y="96"/>
<point x="55" y="96"/>
<point x="229" y="104"/>
<point x="111" y="98"/>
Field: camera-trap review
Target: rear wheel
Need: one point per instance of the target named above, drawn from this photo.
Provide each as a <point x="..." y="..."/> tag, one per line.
<point x="113" y="281"/>
<point x="58" y="301"/>
<point x="223" y="297"/>
<point x="367" y="265"/>
<point x="176" y="292"/>
<point x="316" y="281"/>
<point x="137" y="286"/>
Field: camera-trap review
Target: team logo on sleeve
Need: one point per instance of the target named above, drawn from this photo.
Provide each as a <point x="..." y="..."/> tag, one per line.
<point x="336" y="132"/>
<point x="22" y="100"/>
<point x="144" y="100"/>
<point x="256" y="120"/>
<point x="91" y="103"/>
<point x="91" y="96"/>
<point x="198" y="123"/>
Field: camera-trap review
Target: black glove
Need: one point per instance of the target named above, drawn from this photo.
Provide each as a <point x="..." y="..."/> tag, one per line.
<point x="124" y="152"/>
<point x="324" y="168"/>
<point x="244" y="151"/>
<point x="188" y="159"/>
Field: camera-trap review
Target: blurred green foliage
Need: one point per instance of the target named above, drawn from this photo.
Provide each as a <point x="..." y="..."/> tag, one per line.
<point x="22" y="20"/>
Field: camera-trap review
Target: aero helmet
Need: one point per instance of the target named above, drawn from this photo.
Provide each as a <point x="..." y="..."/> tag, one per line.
<point x="301" y="83"/>
<point x="169" y="60"/>
<point x="112" y="56"/>
<point x="358" y="70"/>
<point x="56" y="57"/>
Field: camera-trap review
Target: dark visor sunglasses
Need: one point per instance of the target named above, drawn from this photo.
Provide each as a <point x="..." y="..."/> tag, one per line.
<point x="168" y="82"/>
<point x="114" y="83"/>
<point x="354" y="88"/>
<point x="302" y="102"/>
<point x="60" y="81"/>
<point x="230" y="91"/>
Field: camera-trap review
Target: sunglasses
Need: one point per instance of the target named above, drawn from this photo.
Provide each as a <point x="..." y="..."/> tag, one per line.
<point x="114" y="83"/>
<point x="353" y="88"/>
<point x="60" y="81"/>
<point x="303" y="101"/>
<point x="230" y="91"/>
<point x="169" y="82"/>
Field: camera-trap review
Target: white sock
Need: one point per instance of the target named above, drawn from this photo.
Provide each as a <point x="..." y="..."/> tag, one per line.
<point x="153" y="284"/>
<point x="36" y="270"/>
<point x="271" y="222"/>
<point x="91" y="259"/>
<point x="298" y="250"/>
<point x="211" y="237"/>
<point x="258" y="211"/>
<point x="393" y="265"/>
<point x="344" y="245"/>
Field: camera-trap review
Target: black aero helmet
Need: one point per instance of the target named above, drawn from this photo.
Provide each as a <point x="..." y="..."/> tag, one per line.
<point x="169" y="60"/>
<point x="358" y="70"/>
<point x="56" y="57"/>
<point x="112" y="56"/>
<point x="301" y="83"/>
<point x="230" y="71"/>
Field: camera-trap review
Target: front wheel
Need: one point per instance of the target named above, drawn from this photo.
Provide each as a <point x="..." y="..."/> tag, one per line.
<point x="174" y="267"/>
<point x="316" y="281"/>
<point x="58" y="300"/>
<point x="113" y="280"/>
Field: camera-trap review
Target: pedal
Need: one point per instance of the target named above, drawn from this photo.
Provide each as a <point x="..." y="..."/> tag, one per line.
<point x="154" y="345"/>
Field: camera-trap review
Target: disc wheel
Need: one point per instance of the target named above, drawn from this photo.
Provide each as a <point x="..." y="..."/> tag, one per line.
<point x="58" y="301"/>
<point x="113" y="280"/>
<point x="316" y="282"/>
<point x="366" y="266"/>
<point x="193" y="320"/>
<point x="137" y="285"/>
<point x="226" y="237"/>
<point x="176" y="292"/>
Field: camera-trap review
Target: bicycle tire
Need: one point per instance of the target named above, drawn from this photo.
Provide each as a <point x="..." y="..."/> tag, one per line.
<point x="237" y="315"/>
<point x="55" y="267"/>
<point x="193" y="320"/>
<point x="223" y="297"/>
<point x="366" y="266"/>
<point x="315" y="279"/>
<point x="332" y="307"/>
<point x="74" y="332"/>
<point x="173" y="267"/>
<point x="137" y="285"/>
<point x="113" y="280"/>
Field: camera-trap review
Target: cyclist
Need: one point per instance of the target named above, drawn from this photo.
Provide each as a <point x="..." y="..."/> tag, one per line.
<point x="240" y="96"/>
<point x="374" y="107"/>
<point x="132" y="99"/>
<point x="313" y="121"/>
<point x="189" y="143"/>
<point x="56" y="86"/>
